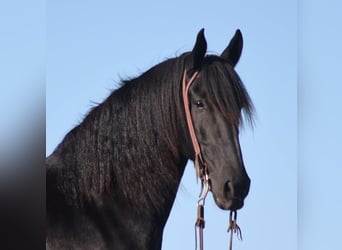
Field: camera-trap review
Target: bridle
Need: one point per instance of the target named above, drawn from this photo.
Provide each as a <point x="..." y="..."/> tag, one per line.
<point x="200" y="165"/>
<point x="201" y="168"/>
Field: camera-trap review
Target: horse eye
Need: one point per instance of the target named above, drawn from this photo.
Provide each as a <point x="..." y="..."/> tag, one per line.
<point x="199" y="104"/>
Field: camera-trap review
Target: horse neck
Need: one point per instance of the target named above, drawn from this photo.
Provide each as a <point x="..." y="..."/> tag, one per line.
<point x="154" y="165"/>
<point x="124" y="154"/>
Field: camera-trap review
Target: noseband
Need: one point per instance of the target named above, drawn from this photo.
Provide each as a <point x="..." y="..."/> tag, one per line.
<point x="202" y="169"/>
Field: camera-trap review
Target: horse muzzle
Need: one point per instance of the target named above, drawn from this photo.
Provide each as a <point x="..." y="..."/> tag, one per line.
<point x="231" y="195"/>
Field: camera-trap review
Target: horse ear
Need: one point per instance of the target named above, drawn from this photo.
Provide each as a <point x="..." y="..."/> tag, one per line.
<point x="233" y="52"/>
<point x="199" y="50"/>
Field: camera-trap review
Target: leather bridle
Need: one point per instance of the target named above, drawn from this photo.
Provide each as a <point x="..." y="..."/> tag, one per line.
<point x="202" y="168"/>
<point x="200" y="165"/>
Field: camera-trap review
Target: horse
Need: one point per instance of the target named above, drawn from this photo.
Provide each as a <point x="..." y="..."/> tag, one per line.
<point x="112" y="181"/>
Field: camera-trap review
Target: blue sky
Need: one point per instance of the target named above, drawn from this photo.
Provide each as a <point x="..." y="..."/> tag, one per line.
<point x="290" y="65"/>
<point x="319" y="125"/>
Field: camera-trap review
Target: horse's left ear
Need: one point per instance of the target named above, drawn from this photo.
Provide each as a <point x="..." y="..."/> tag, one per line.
<point x="233" y="52"/>
<point x="199" y="50"/>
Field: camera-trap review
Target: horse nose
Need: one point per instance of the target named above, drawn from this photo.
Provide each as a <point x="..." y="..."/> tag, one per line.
<point x="237" y="189"/>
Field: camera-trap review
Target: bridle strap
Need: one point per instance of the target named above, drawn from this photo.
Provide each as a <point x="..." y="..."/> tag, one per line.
<point x="185" y="92"/>
<point x="200" y="165"/>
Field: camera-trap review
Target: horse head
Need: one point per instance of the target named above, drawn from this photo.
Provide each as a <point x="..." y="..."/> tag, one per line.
<point x="215" y="100"/>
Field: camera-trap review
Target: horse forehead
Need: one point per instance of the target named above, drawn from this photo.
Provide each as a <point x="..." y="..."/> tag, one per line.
<point x="217" y="70"/>
<point x="210" y="81"/>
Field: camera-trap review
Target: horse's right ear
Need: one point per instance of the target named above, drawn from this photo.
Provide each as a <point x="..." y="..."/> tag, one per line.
<point x="199" y="50"/>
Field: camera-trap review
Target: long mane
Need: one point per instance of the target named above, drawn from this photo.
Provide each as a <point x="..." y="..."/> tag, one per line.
<point x="133" y="128"/>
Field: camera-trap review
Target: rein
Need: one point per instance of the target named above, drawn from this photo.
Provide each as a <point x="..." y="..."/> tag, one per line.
<point x="202" y="172"/>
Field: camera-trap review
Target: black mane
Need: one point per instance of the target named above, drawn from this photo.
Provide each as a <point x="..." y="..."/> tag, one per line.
<point x="133" y="124"/>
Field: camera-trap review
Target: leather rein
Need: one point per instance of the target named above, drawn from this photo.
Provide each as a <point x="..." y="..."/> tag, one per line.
<point x="202" y="170"/>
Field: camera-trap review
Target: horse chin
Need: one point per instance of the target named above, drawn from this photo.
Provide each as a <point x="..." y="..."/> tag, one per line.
<point x="230" y="204"/>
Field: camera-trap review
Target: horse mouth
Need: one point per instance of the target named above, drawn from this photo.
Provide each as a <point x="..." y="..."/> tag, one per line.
<point x="229" y="204"/>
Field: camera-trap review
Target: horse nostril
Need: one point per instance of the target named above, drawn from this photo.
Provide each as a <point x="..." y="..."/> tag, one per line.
<point x="228" y="188"/>
<point x="237" y="189"/>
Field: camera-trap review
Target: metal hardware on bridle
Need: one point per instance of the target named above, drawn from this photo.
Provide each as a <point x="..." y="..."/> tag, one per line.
<point x="233" y="228"/>
<point x="200" y="222"/>
<point x="202" y="171"/>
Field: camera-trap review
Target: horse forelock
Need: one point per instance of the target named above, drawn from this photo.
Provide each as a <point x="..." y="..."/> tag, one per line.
<point x="225" y="90"/>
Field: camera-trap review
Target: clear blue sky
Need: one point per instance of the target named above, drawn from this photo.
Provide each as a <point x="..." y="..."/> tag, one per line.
<point x="290" y="65"/>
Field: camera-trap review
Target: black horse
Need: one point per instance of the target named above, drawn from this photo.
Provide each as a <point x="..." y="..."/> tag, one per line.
<point x="113" y="179"/>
